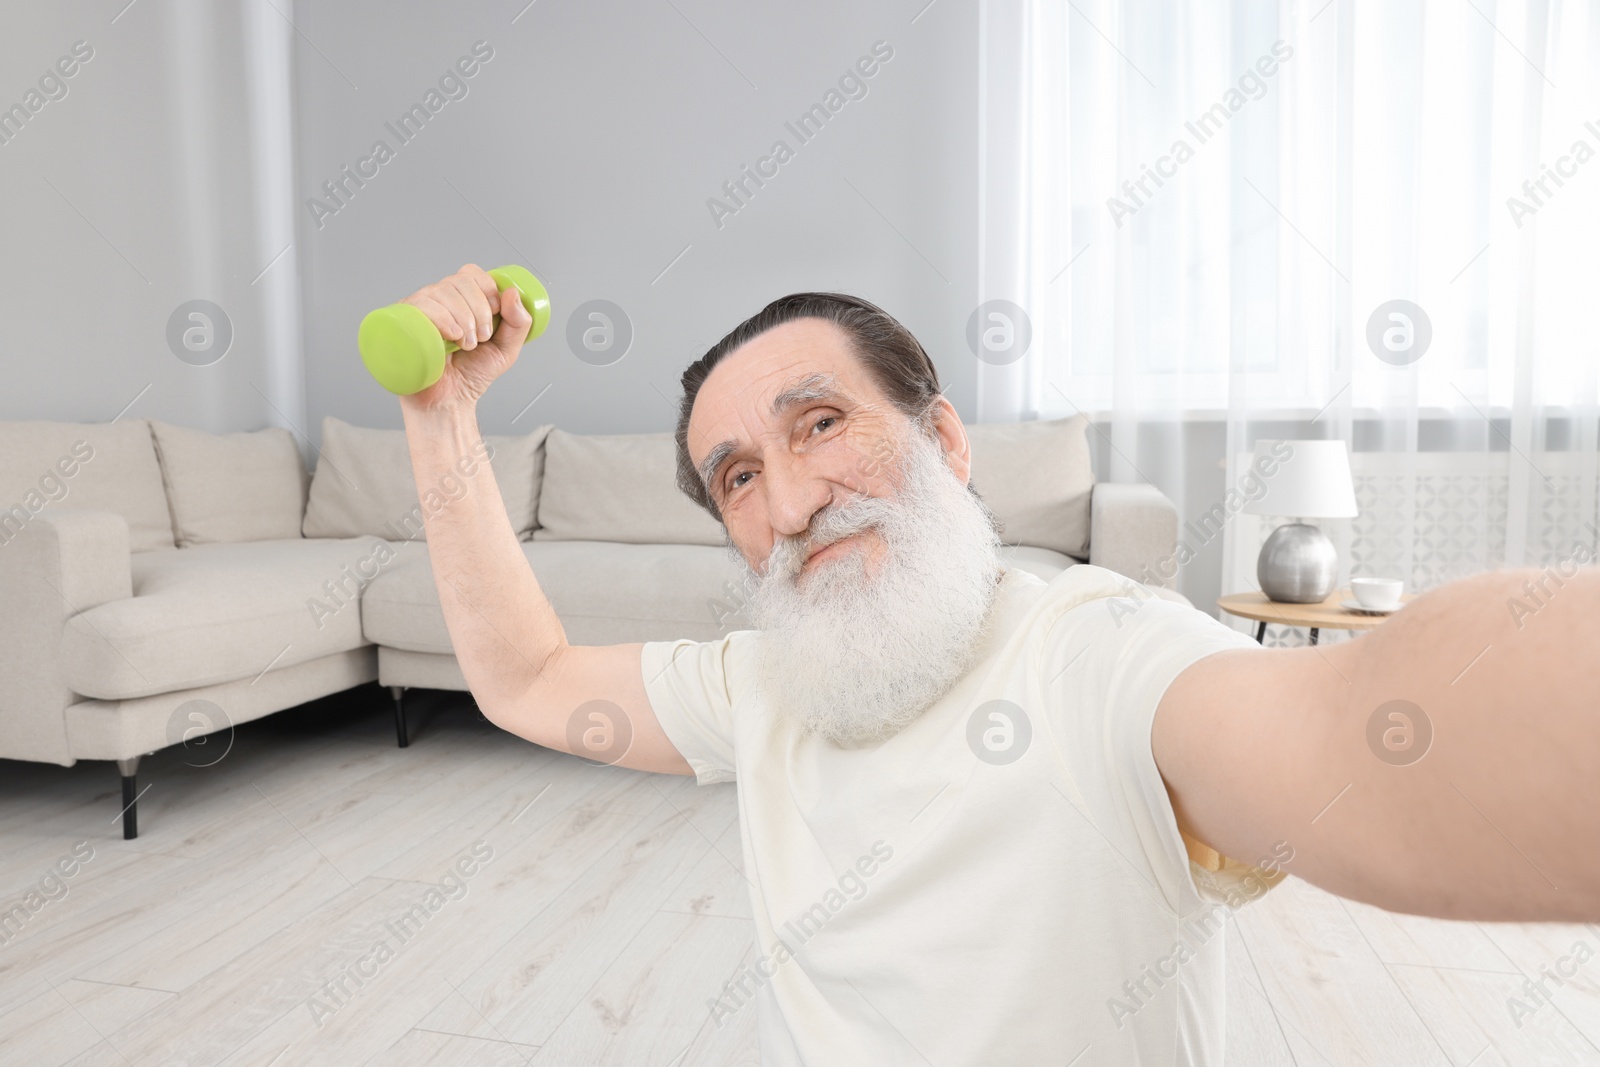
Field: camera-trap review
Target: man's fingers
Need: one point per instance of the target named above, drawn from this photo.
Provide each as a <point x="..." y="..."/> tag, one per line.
<point x="449" y="297"/>
<point x="481" y="279"/>
<point x="475" y="306"/>
<point x="514" y="321"/>
<point x="463" y="308"/>
<point x="443" y="318"/>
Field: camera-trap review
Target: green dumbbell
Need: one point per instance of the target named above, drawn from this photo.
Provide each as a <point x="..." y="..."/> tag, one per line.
<point x="405" y="351"/>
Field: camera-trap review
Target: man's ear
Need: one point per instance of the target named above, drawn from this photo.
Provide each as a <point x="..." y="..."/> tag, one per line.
<point x="952" y="438"/>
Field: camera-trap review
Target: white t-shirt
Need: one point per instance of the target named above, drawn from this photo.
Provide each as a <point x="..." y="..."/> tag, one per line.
<point x="998" y="883"/>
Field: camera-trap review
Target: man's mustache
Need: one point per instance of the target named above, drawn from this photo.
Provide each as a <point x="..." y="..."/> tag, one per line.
<point x="832" y="523"/>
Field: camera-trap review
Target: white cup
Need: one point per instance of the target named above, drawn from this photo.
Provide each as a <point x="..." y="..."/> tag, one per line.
<point x="1377" y="594"/>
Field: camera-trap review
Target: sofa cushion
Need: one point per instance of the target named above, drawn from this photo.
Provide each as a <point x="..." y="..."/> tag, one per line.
<point x="108" y="466"/>
<point x="222" y="612"/>
<point x="1037" y="478"/>
<point x="620" y="487"/>
<point x="604" y="592"/>
<point x="231" y="486"/>
<point x="1045" y="563"/>
<point x="363" y="485"/>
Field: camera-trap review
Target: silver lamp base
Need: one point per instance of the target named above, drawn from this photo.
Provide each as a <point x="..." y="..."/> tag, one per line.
<point x="1297" y="565"/>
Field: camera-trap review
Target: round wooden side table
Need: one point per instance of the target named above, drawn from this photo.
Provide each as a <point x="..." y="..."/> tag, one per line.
<point x="1328" y="615"/>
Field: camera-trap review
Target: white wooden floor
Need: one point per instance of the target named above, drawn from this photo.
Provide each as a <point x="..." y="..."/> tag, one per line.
<point x="611" y="910"/>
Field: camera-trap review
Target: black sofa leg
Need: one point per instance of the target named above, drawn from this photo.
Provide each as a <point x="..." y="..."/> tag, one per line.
<point x="399" y="694"/>
<point x="129" y="768"/>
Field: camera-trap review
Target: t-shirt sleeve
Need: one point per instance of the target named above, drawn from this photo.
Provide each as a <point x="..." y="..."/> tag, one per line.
<point x="1115" y="657"/>
<point x="690" y="685"/>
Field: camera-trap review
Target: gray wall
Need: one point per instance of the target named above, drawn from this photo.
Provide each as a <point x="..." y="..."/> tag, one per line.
<point x="587" y="148"/>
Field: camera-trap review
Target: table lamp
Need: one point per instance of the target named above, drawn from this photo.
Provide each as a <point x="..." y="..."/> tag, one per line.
<point x="1298" y="564"/>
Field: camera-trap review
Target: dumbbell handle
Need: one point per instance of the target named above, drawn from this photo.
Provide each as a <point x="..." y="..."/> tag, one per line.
<point x="406" y="353"/>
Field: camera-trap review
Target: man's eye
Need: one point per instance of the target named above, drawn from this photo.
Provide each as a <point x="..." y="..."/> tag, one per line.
<point x="823" y="424"/>
<point x="738" y="479"/>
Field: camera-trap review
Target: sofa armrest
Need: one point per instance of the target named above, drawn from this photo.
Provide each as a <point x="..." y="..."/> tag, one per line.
<point x="57" y="564"/>
<point x="1133" y="530"/>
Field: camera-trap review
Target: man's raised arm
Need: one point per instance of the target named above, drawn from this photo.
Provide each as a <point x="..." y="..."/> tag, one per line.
<point x="1447" y="763"/>
<point x="511" y="646"/>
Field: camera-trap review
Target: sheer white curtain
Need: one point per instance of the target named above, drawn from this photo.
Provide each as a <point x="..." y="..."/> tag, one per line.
<point x="166" y="175"/>
<point x="1203" y="208"/>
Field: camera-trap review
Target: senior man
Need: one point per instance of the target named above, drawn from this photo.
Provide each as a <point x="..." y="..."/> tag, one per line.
<point x="988" y="819"/>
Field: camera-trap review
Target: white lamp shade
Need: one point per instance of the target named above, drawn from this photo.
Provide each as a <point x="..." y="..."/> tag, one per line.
<point x="1304" y="480"/>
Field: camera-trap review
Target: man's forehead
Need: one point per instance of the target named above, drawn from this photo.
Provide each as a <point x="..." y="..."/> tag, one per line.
<point x="804" y="357"/>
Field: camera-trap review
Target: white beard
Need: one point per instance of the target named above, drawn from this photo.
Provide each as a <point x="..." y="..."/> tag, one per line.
<point x="855" y="654"/>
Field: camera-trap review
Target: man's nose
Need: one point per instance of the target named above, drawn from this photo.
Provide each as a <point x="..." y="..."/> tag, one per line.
<point x="794" y="497"/>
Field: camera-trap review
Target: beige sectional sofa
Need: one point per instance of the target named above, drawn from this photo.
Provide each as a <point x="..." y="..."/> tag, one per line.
<point x="160" y="583"/>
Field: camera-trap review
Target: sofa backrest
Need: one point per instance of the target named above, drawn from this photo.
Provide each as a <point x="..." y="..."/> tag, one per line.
<point x="363" y="485"/>
<point x="109" y="466"/>
<point x="618" y="487"/>
<point x="1037" y="477"/>
<point x="247" y="486"/>
<point x="183" y="486"/>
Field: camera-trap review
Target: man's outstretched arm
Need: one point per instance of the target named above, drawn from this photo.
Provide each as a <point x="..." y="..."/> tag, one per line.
<point x="511" y="646"/>
<point x="1499" y="815"/>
